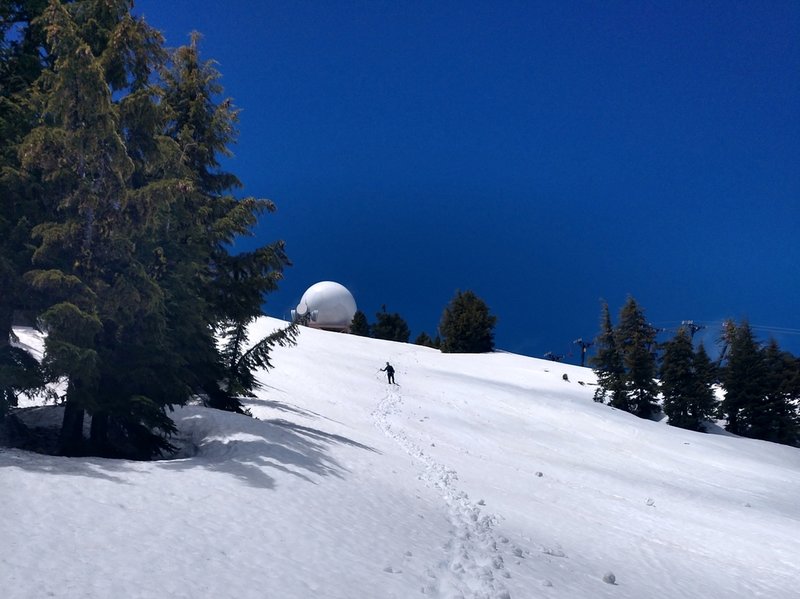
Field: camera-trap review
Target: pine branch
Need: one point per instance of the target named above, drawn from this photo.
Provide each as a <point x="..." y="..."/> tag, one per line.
<point x="239" y="365"/>
<point x="258" y="355"/>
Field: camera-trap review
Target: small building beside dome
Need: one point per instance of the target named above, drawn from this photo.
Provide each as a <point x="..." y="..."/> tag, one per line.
<point x="326" y="305"/>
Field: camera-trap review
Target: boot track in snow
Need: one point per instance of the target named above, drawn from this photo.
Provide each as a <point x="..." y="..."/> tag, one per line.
<point x="472" y="566"/>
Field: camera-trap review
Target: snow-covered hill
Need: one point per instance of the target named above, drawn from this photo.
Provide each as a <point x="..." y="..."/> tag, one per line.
<point x="479" y="476"/>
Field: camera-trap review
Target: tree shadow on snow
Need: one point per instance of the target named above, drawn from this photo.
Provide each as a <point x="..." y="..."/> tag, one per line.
<point x="315" y="433"/>
<point x="29" y="441"/>
<point x="257" y="447"/>
<point x="279" y="406"/>
<point x="105" y="469"/>
<point x="282" y="406"/>
<point x="251" y="450"/>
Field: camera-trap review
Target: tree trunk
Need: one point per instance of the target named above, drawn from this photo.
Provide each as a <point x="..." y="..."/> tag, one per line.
<point x="98" y="438"/>
<point x="7" y="397"/>
<point x="6" y="315"/>
<point x="71" y="438"/>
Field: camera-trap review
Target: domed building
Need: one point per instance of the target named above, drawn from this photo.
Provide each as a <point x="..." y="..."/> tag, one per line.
<point x="326" y="305"/>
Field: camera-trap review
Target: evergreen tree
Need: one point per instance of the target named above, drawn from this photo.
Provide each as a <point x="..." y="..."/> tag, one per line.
<point x="20" y="65"/>
<point x="211" y="290"/>
<point x="467" y="325"/>
<point x="241" y="360"/>
<point x="704" y="403"/>
<point x="762" y="388"/>
<point x="19" y="373"/>
<point x="104" y="308"/>
<point x="686" y="383"/>
<point x="607" y="365"/>
<point x="678" y="381"/>
<point x="424" y="339"/>
<point x="743" y="378"/>
<point x="359" y="326"/>
<point x="131" y="265"/>
<point x="775" y="417"/>
<point x="635" y="339"/>
<point x="391" y="327"/>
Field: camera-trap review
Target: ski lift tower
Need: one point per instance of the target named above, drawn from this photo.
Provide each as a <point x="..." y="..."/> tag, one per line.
<point x="584" y="346"/>
<point x="693" y="328"/>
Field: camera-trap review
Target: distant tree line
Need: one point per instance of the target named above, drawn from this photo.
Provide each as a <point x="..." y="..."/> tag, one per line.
<point x="117" y="224"/>
<point x="759" y="384"/>
<point x="466" y="326"/>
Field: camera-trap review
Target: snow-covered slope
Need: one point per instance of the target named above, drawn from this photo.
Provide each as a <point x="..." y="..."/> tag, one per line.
<point x="479" y="476"/>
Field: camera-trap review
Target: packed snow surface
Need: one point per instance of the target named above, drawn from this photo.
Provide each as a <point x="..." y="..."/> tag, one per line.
<point x="479" y="476"/>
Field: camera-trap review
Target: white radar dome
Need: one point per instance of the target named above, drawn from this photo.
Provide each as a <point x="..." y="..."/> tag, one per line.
<point x="327" y="305"/>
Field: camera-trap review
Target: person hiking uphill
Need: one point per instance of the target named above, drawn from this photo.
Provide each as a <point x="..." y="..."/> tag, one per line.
<point x="389" y="373"/>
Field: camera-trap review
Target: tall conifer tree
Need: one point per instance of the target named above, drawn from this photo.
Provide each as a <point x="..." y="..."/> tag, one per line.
<point x="118" y="226"/>
<point x="467" y="325"/>
<point x="625" y="361"/>
<point x="607" y="365"/>
<point x="211" y="289"/>
<point x="743" y="378"/>
<point x="105" y="309"/>
<point x="704" y="402"/>
<point x="359" y="326"/>
<point x="678" y="381"/>
<point x="425" y="340"/>
<point x="775" y="417"/>
<point x="390" y="326"/>
<point x="635" y="340"/>
<point x="686" y="383"/>
<point x="20" y="65"/>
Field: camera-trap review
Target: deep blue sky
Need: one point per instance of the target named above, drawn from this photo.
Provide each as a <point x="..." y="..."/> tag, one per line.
<point x="543" y="154"/>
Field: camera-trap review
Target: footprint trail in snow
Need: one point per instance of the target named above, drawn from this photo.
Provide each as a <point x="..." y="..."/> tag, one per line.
<point x="473" y="565"/>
